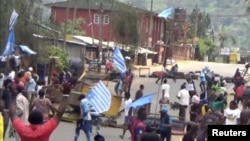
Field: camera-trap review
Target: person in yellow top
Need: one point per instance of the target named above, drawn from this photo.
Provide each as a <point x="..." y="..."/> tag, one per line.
<point x="1" y="121"/>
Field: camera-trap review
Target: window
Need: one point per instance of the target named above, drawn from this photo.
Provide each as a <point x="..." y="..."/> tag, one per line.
<point x="106" y="19"/>
<point x="96" y="19"/>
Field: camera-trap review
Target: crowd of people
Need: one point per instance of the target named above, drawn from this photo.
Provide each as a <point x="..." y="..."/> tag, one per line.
<point x="209" y="106"/>
<point x="24" y="102"/>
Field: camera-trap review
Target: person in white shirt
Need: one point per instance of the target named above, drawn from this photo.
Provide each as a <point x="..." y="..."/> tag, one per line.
<point x="22" y="106"/>
<point x="184" y="100"/>
<point x="232" y="114"/>
<point x="191" y="87"/>
<point x="127" y="113"/>
<point x="1" y="80"/>
<point x="165" y="89"/>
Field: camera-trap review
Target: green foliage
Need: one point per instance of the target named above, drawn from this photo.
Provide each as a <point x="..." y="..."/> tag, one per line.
<point x="203" y="24"/>
<point x="224" y="37"/>
<point x="206" y="46"/>
<point x="125" y="23"/>
<point x="61" y="54"/>
<point x="74" y="27"/>
<point x="45" y="53"/>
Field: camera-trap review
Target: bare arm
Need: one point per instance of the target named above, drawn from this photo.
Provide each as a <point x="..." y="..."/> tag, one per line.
<point x="62" y="108"/>
<point x="12" y="108"/>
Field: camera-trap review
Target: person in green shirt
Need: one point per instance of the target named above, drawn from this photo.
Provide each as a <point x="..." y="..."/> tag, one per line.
<point x="219" y="104"/>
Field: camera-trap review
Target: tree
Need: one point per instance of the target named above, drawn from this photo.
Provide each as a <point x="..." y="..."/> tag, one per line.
<point x="125" y="23"/>
<point x="140" y="3"/>
<point x="223" y="37"/>
<point x="203" y="23"/>
<point x="74" y="27"/>
<point x="206" y="46"/>
<point x="28" y="14"/>
<point x="46" y="52"/>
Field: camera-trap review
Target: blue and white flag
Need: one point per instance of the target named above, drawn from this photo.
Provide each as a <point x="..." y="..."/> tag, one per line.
<point x="100" y="97"/>
<point x="119" y="61"/>
<point x="13" y="20"/>
<point x="27" y="50"/>
<point x="142" y="101"/>
<point x="168" y="13"/>
<point x="10" y="46"/>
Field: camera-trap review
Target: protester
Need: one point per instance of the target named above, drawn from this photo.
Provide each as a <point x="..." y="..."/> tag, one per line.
<point x="203" y="81"/>
<point x="165" y="90"/>
<point x="31" y="87"/>
<point x="174" y="71"/>
<point x="6" y="96"/>
<point x="138" y="128"/>
<point x="191" y="87"/>
<point x="128" y="114"/>
<point x="86" y="125"/>
<point x="118" y="87"/>
<point x="131" y="78"/>
<point x="232" y="114"/>
<point x="191" y="133"/>
<point x="184" y="100"/>
<point x="108" y="66"/>
<point x="43" y="105"/>
<point x="37" y="130"/>
<point x="239" y="93"/>
<point x="159" y="75"/>
<point x="126" y="81"/>
<point x="165" y="125"/>
<point x="139" y="93"/>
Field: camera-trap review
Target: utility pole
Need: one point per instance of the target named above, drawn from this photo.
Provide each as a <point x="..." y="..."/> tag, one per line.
<point x="196" y="21"/>
<point x="100" y="37"/>
<point x="149" y="27"/>
<point x="92" y="24"/>
<point x="66" y="25"/>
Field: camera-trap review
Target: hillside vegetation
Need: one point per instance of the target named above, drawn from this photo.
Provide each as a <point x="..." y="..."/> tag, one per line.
<point x="226" y="13"/>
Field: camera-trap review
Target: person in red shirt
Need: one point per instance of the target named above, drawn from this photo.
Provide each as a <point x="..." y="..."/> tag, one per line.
<point x="239" y="93"/>
<point x="37" y="130"/>
<point x="138" y="127"/>
<point x="160" y="75"/>
<point x="108" y="66"/>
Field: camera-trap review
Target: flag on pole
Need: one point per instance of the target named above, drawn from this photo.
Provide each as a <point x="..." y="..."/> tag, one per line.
<point x="10" y="46"/>
<point x="100" y="98"/>
<point x="142" y="101"/>
<point x="13" y="20"/>
<point x="119" y="61"/>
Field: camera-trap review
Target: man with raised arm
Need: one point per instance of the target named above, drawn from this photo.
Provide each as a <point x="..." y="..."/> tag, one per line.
<point x="37" y="130"/>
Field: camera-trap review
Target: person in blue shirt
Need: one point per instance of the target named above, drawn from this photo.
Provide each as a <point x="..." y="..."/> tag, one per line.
<point x="203" y="81"/>
<point x="165" y="125"/>
<point x="85" y="121"/>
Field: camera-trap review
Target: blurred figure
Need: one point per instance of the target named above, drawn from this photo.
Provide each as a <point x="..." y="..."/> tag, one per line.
<point x="43" y="105"/>
<point x="165" y="125"/>
<point x="131" y="78"/>
<point x="139" y="93"/>
<point x="30" y="87"/>
<point x="184" y="100"/>
<point x="191" y="133"/>
<point x="203" y="81"/>
<point x="109" y="66"/>
<point x="138" y="128"/>
<point x="239" y="93"/>
<point x="128" y="114"/>
<point x="174" y="71"/>
<point x="150" y="137"/>
<point x="232" y="114"/>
